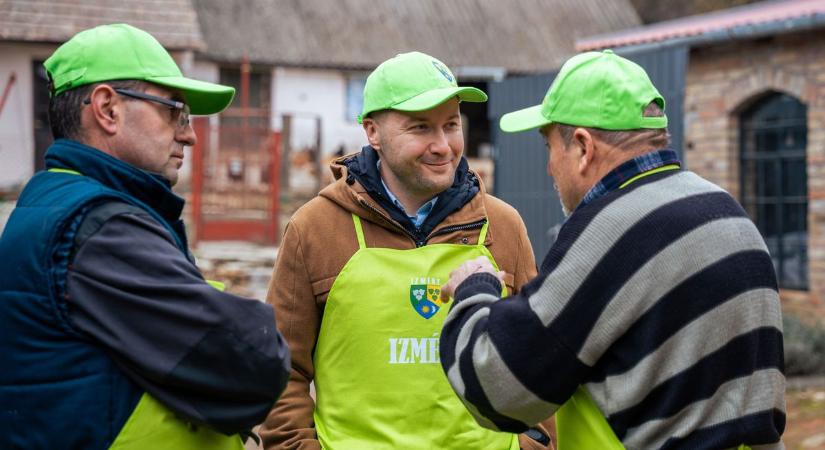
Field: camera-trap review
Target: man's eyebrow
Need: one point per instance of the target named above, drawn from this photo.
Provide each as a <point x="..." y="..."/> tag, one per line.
<point x="411" y="118"/>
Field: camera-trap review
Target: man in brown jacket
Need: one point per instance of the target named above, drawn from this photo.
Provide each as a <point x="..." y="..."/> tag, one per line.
<point x="356" y="287"/>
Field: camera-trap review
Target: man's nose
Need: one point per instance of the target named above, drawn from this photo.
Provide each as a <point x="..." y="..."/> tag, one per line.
<point x="186" y="135"/>
<point x="440" y="143"/>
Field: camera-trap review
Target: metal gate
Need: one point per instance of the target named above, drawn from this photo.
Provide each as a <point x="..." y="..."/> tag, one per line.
<point x="521" y="159"/>
<point x="236" y="182"/>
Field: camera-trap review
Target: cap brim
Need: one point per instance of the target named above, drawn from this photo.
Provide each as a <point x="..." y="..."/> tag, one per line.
<point x="435" y="97"/>
<point x="202" y="97"/>
<point x="523" y="120"/>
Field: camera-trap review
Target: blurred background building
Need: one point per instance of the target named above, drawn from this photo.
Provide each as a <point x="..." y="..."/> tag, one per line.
<point x="299" y="68"/>
<point x="744" y="83"/>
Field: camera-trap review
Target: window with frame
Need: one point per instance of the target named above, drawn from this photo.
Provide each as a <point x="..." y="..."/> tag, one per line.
<point x="258" y="113"/>
<point x="774" y="182"/>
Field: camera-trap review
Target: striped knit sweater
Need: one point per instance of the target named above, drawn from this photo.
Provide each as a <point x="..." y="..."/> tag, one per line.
<point x="660" y="299"/>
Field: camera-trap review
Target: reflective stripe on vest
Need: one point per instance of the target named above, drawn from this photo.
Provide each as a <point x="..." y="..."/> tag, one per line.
<point x="378" y="377"/>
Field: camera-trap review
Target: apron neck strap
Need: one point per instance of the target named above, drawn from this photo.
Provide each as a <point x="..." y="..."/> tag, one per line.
<point x="362" y="243"/>
<point x="359" y="232"/>
<point x="482" y="236"/>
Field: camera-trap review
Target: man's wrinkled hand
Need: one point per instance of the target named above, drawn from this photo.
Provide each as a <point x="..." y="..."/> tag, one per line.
<point x="479" y="265"/>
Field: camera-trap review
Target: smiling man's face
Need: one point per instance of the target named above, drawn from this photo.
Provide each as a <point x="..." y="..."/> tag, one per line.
<point x="419" y="150"/>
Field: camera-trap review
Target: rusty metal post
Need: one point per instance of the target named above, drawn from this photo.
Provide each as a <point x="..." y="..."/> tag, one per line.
<point x="286" y="136"/>
<point x="274" y="188"/>
<point x="319" y="163"/>
<point x="245" y="138"/>
<point x="199" y="151"/>
<point x="7" y="90"/>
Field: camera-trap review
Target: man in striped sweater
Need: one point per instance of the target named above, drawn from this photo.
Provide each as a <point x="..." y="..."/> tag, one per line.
<point x="654" y="322"/>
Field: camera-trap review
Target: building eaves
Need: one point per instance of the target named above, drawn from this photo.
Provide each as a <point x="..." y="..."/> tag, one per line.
<point x="743" y="22"/>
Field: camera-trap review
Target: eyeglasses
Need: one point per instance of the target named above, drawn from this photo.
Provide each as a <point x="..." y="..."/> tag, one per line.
<point x="179" y="109"/>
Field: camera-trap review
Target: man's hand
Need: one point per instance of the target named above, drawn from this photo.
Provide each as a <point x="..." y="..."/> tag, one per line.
<point x="479" y="265"/>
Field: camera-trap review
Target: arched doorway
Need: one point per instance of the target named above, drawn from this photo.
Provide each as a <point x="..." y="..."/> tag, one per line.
<point x="774" y="181"/>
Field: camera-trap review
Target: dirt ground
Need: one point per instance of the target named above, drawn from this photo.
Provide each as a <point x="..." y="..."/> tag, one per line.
<point x="805" y="429"/>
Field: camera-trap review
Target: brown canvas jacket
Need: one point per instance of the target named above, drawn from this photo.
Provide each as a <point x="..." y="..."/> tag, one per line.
<point x="320" y="239"/>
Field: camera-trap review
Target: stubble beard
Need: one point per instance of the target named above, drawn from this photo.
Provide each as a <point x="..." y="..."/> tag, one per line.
<point x="564" y="209"/>
<point x="412" y="178"/>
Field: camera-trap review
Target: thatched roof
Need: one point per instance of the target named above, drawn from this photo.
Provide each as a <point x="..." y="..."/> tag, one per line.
<point x="518" y="35"/>
<point x="172" y="22"/>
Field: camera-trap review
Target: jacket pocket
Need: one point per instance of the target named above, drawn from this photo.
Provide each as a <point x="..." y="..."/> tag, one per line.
<point x="320" y="290"/>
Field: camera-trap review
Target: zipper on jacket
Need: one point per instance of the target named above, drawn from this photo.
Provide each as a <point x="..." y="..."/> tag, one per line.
<point x="418" y="242"/>
<point x="450" y="229"/>
<point x="422" y="242"/>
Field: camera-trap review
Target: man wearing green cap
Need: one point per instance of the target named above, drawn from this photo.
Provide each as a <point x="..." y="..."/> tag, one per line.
<point x="357" y="283"/>
<point x="111" y="338"/>
<point x="654" y="322"/>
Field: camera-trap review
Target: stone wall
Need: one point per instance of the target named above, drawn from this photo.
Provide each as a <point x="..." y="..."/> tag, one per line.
<point x="722" y="81"/>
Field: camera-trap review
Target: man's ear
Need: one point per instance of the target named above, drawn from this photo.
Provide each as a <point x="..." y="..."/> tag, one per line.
<point x="105" y="108"/>
<point x="373" y="132"/>
<point x="585" y="147"/>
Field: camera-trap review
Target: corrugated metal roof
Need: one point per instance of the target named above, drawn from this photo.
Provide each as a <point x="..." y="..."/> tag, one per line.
<point x="172" y="22"/>
<point x="729" y="19"/>
<point x="518" y="35"/>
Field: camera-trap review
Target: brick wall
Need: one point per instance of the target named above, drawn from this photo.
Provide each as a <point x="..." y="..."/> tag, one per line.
<point x="722" y="81"/>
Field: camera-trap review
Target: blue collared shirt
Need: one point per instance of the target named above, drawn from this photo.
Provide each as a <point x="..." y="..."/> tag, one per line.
<point x="629" y="169"/>
<point x="420" y="215"/>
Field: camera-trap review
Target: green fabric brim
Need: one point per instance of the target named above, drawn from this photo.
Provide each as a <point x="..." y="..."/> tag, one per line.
<point x="435" y="97"/>
<point x="203" y="98"/>
<point x="523" y="120"/>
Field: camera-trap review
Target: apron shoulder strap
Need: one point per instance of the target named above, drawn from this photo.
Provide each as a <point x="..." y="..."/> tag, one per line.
<point x="359" y="232"/>
<point x="482" y="235"/>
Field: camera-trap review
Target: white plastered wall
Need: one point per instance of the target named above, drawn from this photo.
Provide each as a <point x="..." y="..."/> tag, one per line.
<point x="308" y="93"/>
<point x="16" y="127"/>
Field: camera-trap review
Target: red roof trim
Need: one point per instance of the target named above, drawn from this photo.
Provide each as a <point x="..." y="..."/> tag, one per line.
<point x="754" y="14"/>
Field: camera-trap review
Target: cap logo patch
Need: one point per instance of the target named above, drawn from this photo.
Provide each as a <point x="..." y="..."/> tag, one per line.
<point x="443" y="70"/>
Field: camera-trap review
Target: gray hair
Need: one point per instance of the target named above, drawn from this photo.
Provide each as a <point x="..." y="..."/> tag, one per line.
<point x="626" y="139"/>
<point x="64" y="109"/>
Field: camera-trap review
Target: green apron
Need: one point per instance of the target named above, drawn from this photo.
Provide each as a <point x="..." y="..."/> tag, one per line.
<point x="580" y="424"/>
<point x="153" y="425"/>
<point x="378" y="377"/>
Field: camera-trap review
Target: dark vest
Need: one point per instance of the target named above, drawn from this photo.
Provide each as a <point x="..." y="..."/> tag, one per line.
<point x="57" y="388"/>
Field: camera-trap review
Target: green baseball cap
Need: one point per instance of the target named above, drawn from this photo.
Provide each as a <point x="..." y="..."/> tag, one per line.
<point x="413" y="82"/>
<point x="123" y="52"/>
<point x="594" y="90"/>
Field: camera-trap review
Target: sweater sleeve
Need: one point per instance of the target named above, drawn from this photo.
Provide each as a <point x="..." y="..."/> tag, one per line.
<point x="212" y="357"/>
<point x="507" y="366"/>
<point x="290" y="424"/>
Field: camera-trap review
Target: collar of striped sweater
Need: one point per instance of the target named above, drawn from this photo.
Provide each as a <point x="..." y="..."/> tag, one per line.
<point x="629" y="169"/>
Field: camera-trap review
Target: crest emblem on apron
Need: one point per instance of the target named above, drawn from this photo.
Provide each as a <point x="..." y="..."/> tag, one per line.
<point x="426" y="299"/>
